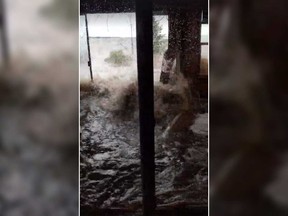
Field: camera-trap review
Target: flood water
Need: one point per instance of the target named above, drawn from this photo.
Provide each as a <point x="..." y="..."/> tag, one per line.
<point x="110" y="159"/>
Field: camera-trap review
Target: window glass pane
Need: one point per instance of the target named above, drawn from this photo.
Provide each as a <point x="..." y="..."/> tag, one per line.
<point x="110" y="157"/>
<point x="181" y="130"/>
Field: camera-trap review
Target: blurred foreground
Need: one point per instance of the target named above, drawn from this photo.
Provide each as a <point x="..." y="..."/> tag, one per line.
<point x="38" y="110"/>
<point x="248" y="112"/>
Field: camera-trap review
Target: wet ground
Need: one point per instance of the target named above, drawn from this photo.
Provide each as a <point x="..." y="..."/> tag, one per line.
<point x="110" y="165"/>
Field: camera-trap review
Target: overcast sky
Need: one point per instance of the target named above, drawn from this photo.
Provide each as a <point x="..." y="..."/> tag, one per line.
<point x="119" y="25"/>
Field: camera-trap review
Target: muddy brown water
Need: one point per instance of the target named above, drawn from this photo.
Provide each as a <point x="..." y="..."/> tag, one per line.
<point x="110" y="159"/>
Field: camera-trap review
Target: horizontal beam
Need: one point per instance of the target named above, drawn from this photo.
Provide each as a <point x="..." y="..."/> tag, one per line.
<point x="125" y="6"/>
<point x="173" y="211"/>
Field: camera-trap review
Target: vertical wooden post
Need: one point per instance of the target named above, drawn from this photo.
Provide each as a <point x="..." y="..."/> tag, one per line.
<point x="4" y="40"/>
<point x="88" y="47"/>
<point x="191" y="51"/>
<point x="146" y="101"/>
<point x="174" y="42"/>
<point x="173" y="30"/>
